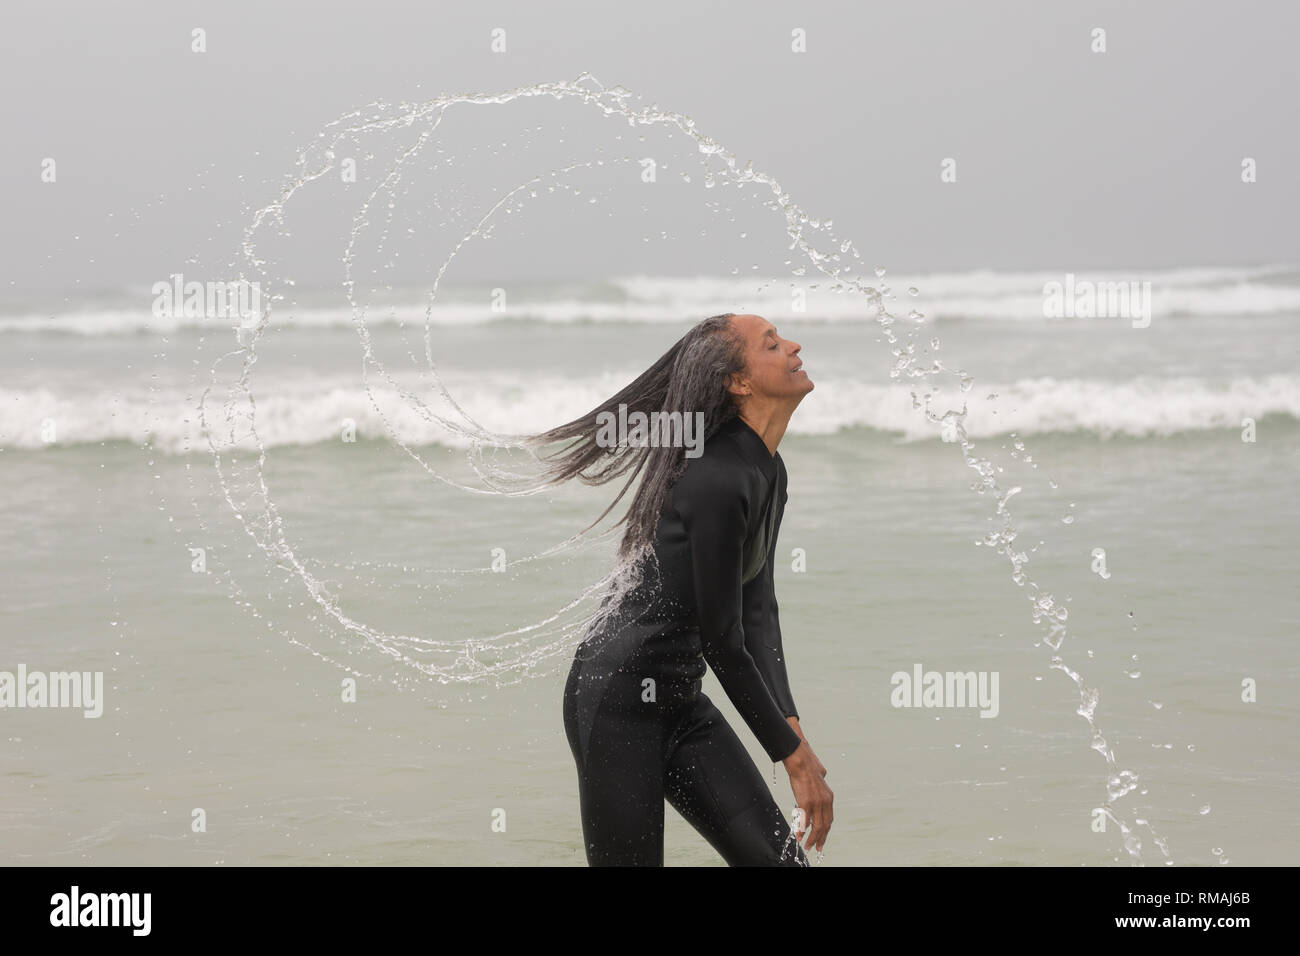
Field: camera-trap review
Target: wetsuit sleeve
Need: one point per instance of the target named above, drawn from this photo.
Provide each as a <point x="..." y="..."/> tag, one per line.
<point x="714" y="507"/>
<point x="764" y="643"/>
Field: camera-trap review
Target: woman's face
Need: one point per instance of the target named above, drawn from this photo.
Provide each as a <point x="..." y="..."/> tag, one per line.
<point x="775" y="369"/>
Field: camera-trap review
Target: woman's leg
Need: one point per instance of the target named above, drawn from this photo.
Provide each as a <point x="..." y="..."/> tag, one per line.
<point x="713" y="783"/>
<point x="620" y="775"/>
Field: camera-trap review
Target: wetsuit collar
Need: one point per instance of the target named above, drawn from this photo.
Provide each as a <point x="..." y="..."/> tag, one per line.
<point x="752" y="442"/>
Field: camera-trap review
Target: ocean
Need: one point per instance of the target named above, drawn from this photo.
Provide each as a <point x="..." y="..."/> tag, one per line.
<point x="383" y="685"/>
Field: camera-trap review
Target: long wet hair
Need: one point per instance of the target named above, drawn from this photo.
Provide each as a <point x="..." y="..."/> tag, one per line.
<point x="692" y="376"/>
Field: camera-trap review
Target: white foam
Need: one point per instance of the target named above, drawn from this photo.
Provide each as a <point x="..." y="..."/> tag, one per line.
<point x="307" y="413"/>
<point x="987" y="295"/>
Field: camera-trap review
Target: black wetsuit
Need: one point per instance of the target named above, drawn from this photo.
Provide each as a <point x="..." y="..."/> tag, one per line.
<point x="639" y="727"/>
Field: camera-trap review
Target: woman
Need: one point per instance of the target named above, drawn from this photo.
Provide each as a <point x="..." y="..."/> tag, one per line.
<point x="699" y="547"/>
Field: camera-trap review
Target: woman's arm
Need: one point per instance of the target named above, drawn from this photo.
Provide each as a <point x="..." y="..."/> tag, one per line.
<point x="763" y="621"/>
<point x="713" y="499"/>
<point x="763" y="636"/>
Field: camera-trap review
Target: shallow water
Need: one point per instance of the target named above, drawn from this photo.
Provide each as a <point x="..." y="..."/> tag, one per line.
<point x="208" y="707"/>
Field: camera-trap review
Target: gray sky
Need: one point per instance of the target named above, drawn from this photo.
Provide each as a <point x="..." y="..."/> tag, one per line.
<point x="1067" y="159"/>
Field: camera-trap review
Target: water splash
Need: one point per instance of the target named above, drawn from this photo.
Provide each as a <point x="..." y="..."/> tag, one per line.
<point x="526" y="651"/>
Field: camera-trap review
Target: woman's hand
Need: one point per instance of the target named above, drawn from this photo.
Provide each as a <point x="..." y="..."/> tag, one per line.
<point x="810" y="791"/>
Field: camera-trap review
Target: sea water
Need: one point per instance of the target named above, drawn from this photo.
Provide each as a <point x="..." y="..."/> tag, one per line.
<point x="207" y="707"/>
<point x="327" y="637"/>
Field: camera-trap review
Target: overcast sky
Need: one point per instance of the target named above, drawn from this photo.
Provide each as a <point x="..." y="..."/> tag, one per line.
<point x="1066" y="158"/>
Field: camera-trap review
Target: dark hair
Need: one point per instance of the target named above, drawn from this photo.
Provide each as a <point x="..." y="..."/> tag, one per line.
<point x="692" y="376"/>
